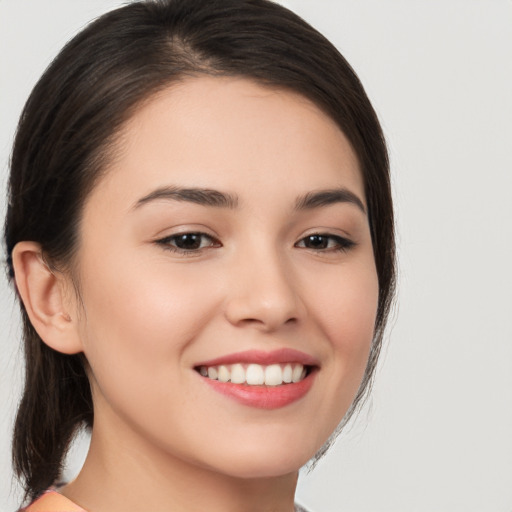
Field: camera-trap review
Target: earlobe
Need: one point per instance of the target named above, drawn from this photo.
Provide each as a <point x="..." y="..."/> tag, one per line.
<point x="43" y="294"/>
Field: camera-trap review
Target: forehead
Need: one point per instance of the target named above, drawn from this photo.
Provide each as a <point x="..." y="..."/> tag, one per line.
<point x="232" y="133"/>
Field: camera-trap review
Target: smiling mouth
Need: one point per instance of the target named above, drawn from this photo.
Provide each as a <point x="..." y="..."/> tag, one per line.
<point x="256" y="374"/>
<point x="261" y="379"/>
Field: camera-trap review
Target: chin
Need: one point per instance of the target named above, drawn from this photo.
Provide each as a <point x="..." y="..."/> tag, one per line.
<point x="269" y="467"/>
<point x="266" y="456"/>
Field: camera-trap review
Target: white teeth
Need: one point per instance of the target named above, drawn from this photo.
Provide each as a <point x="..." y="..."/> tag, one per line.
<point x="256" y="374"/>
<point x="273" y="375"/>
<point x="237" y="374"/>
<point x="297" y="373"/>
<point x="287" y="373"/>
<point x="224" y="374"/>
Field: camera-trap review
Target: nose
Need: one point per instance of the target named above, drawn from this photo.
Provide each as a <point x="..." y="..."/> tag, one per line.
<point x="263" y="293"/>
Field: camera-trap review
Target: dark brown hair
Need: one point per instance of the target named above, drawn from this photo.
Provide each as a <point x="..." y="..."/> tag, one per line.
<point x="70" y="122"/>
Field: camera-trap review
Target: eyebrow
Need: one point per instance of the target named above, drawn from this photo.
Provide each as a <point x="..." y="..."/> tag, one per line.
<point x="327" y="197"/>
<point x="202" y="196"/>
<point x="218" y="199"/>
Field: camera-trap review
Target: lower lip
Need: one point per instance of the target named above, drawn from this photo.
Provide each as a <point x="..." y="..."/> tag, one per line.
<point x="264" y="397"/>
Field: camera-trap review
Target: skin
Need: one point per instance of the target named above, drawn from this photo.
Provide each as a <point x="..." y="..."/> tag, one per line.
<point x="162" y="439"/>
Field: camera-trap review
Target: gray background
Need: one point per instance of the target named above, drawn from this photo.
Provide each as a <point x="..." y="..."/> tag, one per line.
<point x="437" y="434"/>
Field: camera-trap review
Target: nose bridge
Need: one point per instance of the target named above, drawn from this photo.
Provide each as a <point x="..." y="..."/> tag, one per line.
<point x="263" y="291"/>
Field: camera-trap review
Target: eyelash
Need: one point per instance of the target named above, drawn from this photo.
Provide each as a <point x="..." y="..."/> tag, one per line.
<point x="341" y="244"/>
<point x="166" y="243"/>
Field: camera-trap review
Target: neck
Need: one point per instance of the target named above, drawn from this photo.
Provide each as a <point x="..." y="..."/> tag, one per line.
<point x="125" y="473"/>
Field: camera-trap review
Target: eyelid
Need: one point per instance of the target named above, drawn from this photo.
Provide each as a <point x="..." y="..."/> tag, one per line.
<point x="344" y="243"/>
<point x="165" y="242"/>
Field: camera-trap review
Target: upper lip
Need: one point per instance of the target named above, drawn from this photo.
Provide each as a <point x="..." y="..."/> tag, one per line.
<point x="284" y="355"/>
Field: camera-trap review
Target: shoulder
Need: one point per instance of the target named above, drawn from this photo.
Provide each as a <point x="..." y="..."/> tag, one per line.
<point x="52" y="501"/>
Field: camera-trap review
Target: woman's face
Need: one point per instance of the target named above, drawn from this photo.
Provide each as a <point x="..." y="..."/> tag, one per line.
<point x="228" y="240"/>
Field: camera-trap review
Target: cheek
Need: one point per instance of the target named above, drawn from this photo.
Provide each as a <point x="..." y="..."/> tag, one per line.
<point x="356" y="324"/>
<point x="142" y="306"/>
<point x="346" y="305"/>
<point x="346" y="308"/>
<point x="138" y="321"/>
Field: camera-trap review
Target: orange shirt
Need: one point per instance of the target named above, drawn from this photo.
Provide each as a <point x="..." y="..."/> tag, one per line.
<point x="52" y="501"/>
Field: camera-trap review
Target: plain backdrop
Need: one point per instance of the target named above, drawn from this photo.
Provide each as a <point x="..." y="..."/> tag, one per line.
<point x="437" y="433"/>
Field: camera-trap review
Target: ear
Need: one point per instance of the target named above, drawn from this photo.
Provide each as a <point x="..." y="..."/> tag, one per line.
<point x="43" y="293"/>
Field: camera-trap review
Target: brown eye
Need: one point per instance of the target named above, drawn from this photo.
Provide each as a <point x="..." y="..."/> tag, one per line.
<point x="316" y="242"/>
<point x="325" y="242"/>
<point x="188" y="242"/>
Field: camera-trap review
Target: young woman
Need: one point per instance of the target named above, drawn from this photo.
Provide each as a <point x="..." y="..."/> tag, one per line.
<point x="200" y="231"/>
